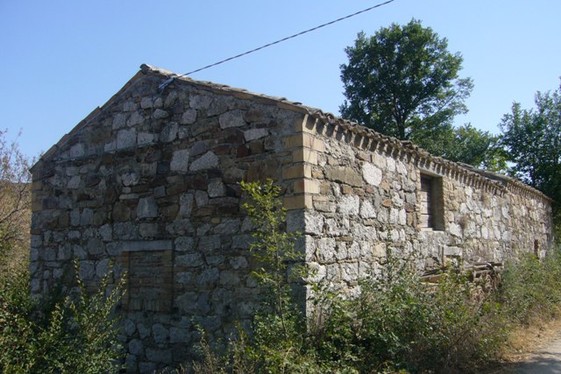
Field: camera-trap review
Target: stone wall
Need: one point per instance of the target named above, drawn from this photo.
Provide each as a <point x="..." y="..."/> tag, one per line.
<point x="149" y="184"/>
<point x="367" y="200"/>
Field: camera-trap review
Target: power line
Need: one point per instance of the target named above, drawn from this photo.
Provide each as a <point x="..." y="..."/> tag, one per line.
<point x="168" y="81"/>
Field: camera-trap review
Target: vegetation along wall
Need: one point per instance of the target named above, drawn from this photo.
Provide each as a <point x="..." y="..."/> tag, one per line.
<point x="148" y="185"/>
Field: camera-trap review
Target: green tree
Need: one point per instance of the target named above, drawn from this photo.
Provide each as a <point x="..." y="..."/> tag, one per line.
<point x="532" y="141"/>
<point x="403" y="82"/>
<point x="471" y="146"/>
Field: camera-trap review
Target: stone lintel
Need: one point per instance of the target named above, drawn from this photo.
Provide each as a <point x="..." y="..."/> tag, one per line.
<point x="146" y="245"/>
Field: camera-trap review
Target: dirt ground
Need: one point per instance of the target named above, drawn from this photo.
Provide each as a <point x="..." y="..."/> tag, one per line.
<point x="535" y="350"/>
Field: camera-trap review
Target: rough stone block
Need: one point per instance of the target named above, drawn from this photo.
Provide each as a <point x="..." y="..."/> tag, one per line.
<point x="179" y="335"/>
<point x="160" y="114"/>
<point x="344" y="175"/>
<point x="186" y="204"/>
<point x="367" y="210"/>
<point x="120" y="120"/>
<point x="77" y="150"/>
<point x="190" y="260"/>
<point x="216" y="188"/>
<point x="349" y="205"/>
<point x="228" y="226"/>
<point x="162" y="356"/>
<point x="135" y="119"/>
<point x="147" y="208"/>
<point x="180" y="161"/>
<point x="125" y="139"/>
<point x="371" y="174"/>
<point x="136" y="347"/>
<point x="239" y="262"/>
<point x="145" y="245"/>
<point x="169" y="132"/>
<point x="254" y="134"/>
<point x="189" y="117"/>
<point x="232" y="118"/>
<point x="147" y="367"/>
<point x="160" y="333"/>
<point x="207" y="161"/>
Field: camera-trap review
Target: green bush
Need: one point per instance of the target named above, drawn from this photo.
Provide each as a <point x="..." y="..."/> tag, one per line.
<point x="400" y="323"/>
<point x="70" y="334"/>
<point x="279" y="341"/>
<point x="530" y="288"/>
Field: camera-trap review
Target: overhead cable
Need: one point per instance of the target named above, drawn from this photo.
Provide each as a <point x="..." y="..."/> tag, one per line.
<point x="168" y="81"/>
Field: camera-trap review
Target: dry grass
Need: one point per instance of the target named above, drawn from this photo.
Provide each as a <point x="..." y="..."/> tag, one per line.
<point x="15" y="224"/>
<point x="526" y="340"/>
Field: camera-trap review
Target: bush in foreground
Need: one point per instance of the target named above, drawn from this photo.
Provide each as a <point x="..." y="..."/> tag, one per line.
<point x="70" y="334"/>
<point x="530" y="289"/>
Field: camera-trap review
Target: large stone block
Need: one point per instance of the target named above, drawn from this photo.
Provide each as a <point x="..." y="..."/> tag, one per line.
<point x="232" y="118"/>
<point x="207" y="161"/>
<point x="343" y="174"/>
<point x="371" y="174"/>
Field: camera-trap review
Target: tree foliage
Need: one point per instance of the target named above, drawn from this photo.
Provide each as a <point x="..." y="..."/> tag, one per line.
<point x="471" y="146"/>
<point x="403" y="82"/>
<point x="532" y="141"/>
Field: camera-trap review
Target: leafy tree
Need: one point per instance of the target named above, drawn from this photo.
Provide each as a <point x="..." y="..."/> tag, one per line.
<point x="403" y="82"/>
<point x="471" y="146"/>
<point x="532" y="141"/>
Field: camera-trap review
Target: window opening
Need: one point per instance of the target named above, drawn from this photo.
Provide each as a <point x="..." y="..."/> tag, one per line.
<point x="431" y="202"/>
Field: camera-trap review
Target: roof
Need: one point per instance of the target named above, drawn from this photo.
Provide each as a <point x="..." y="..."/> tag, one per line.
<point x="491" y="180"/>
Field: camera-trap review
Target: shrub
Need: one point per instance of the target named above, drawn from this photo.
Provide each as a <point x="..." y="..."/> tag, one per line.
<point x="71" y="334"/>
<point x="400" y="323"/>
<point x="530" y="288"/>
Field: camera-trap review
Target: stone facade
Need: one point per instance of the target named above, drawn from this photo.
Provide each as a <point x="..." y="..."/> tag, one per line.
<point x="149" y="184"/>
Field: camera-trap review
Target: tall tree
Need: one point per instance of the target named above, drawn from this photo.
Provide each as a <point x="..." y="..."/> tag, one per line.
<point x="403" y="82"/>
<point x="532" y="141"/>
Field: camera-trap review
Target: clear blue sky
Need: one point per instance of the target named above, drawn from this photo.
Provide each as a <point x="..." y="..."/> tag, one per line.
<point x="61" y="59"/>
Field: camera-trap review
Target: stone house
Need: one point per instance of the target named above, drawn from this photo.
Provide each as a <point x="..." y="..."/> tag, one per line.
<point x="149" y="182"/>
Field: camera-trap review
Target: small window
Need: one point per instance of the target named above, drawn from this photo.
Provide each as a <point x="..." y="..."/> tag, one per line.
<point x="537" y="248"/>
<point x="431" y="202"/>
